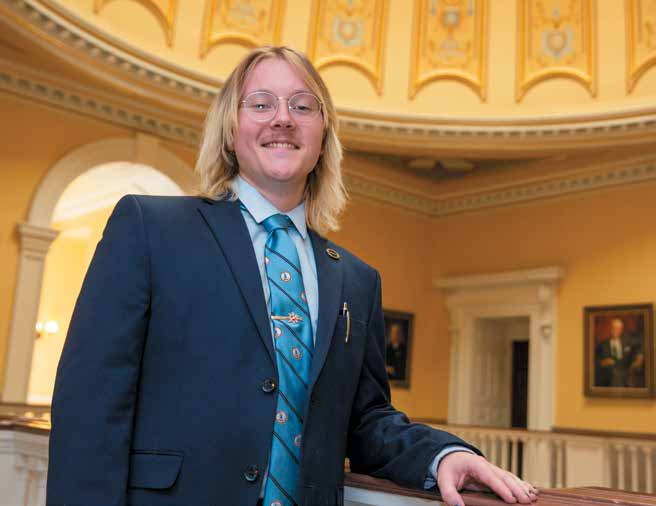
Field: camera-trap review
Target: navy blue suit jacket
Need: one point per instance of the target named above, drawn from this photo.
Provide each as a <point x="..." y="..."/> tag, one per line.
<point x="161" y="396"/>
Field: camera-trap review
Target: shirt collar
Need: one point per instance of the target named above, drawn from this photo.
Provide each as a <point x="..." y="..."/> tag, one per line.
<point x="260" y="208"/>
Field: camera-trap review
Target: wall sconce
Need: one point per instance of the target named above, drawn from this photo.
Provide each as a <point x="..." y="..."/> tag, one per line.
<point x="48" y="328"/>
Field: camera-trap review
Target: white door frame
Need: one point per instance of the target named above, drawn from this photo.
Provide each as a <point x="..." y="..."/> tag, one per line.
<point x="526" y="293"/>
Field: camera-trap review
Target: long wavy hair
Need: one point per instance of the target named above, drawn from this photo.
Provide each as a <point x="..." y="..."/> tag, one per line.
<point x="325" y="195"/>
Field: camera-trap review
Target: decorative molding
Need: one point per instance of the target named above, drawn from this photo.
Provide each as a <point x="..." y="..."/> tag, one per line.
<point x="350" y="33"/>
<point x="35" y="240"/>
<point x="252" y="23"/>
<point x="449" y="42"/>
<point x="163" y="10"/>
<point x="364" y="187"/>
<point x="62" y="33"/>
<point x="542" y="276"/>
<point x="556" y="38"/>
<point x="641" y="39"/>
<point x="29" y="84"/>
<point x="24" y="82"/>
<point x="623" y="173"/>
<point x="51" y="26"/>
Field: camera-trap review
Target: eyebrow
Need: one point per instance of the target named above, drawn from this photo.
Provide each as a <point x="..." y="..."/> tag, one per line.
<point x="294" y="92"/>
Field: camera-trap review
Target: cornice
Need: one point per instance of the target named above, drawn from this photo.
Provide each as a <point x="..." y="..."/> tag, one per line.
<point x="543" y="276"/>
<point x="42" y="87"/>
<point x="67" y="37"/>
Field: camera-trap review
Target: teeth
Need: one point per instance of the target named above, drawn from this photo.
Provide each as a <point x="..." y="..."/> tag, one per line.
<point x="279" y="145"/>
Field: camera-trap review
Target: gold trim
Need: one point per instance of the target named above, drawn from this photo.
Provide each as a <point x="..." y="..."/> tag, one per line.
<point x="373" y="74"/>
<point x="477" y="83"/>
<point x="210" y="40"/>
<point x="166" y="20"/>
<point x="634" y="70"/>
<point x="587" y="79"/>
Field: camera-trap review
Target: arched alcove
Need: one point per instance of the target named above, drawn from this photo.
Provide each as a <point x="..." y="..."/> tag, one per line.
<point x="36" y="236"/>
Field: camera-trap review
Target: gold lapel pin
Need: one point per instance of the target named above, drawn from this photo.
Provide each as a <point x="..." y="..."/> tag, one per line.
<point x="332" y="254"/>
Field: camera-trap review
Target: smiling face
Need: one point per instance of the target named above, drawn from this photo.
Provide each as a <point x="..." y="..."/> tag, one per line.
<point x="276" y="156"/>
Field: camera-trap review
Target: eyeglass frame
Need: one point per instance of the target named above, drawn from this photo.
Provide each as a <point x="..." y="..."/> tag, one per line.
<point x="278" y="99"/>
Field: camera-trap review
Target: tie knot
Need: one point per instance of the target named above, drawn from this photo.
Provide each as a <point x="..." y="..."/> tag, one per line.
<point x="276" y="221"/>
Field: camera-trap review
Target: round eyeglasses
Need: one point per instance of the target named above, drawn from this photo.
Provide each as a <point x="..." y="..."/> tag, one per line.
<point x="263" y="106"/>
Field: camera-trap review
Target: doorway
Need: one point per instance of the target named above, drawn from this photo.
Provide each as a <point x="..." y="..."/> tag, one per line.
<point x="500" y="372"/>
<point x="478" y="304"/>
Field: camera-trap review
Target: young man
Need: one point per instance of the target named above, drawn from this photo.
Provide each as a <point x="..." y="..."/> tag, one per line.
<point x="222" y="352"/>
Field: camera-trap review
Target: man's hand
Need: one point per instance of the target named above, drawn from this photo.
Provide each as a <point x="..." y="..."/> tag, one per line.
<point x="608" y="362"/>
<point x="464" y="471"/>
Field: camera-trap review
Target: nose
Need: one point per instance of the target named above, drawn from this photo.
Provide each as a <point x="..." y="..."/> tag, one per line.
<point x="283" y="118"/>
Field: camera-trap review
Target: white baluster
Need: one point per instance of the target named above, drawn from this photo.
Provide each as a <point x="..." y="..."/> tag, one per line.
<point x="558" y="470"/>
<point x="633" y="454"/>
<point x="649" y="470"/>
<point x="494" y="450"/>
<point x="514" y="460"/>
<point x="506" y="448"/>
<point x="563" y="463"/>
<point x="620" y="467"/>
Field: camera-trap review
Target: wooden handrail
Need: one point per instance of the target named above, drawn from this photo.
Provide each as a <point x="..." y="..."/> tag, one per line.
<point x="589" y="496"/>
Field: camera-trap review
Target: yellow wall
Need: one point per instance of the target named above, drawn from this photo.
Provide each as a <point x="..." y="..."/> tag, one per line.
<point x="607" y="244"/>
<point x="398" y="244"/>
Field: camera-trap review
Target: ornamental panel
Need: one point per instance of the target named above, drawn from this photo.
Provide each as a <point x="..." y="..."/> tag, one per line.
<point x="249" y="22"/>
<point x="449" y="39"/>
<point x="641" y="43"/>
<point x="349" y="32"/>
<point x="556" y="38"/>
<point x="163" y="10"/>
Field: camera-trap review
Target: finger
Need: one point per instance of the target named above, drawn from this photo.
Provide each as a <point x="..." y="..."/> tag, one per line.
<point x="450" y="494"/>
<point x="519" y="489"/>
<point x="486" y="475"/>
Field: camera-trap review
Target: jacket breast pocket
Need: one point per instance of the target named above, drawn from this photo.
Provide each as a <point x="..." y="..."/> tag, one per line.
<point x="154" y="469"/>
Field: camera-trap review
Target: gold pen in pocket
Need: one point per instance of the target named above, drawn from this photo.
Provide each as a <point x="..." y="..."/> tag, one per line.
<point x="345" y="311"/>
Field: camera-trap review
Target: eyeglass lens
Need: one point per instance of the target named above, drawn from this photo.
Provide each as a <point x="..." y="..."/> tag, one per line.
<point x="262" y="106"/>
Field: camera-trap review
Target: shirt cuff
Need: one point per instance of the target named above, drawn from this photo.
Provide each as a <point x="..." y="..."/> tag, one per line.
<point x="431" y="476"/>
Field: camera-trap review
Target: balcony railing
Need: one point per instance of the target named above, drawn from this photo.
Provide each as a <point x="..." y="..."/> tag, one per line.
<point x="559" y="459"/>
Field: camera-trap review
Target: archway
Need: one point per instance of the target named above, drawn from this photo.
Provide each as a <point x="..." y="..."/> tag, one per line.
<point x="36" y="236"/>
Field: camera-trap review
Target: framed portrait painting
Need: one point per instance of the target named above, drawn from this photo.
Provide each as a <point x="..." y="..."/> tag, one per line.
<point x="619" y="351"/>
<point x="398" y="339"/>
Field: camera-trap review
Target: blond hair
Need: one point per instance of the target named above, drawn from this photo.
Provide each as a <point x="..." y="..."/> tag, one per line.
<point x="325" y="194"/>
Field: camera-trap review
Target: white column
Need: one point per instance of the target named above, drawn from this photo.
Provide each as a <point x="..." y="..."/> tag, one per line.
<point x="34" y="244"/>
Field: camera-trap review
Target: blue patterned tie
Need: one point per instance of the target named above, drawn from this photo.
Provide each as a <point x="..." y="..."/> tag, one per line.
<point x="292" y="331"/>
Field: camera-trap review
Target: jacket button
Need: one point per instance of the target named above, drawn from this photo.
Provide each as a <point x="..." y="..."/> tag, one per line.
<point x="252" y="473"/>
<point x="268" y="385"/>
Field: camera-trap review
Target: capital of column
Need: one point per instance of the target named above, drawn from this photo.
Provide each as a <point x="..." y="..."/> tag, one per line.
<point x="35" y="240"/>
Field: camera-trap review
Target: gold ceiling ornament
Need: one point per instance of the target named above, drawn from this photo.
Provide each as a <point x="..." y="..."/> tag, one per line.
<point x="163" y="10"/>
<point x="449" y="40"/>
<point x="249" y="22"/>
<point x="350" y="32"/>
<point x="556" y="38"/>
<point x="641" y="43"/>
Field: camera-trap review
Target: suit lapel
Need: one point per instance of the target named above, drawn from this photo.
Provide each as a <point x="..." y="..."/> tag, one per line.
<point x="231" y="233"/>
<point x="329" y="273"/>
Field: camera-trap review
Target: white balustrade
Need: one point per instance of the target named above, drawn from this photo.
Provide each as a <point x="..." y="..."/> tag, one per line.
<point x="556" y="460"/>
